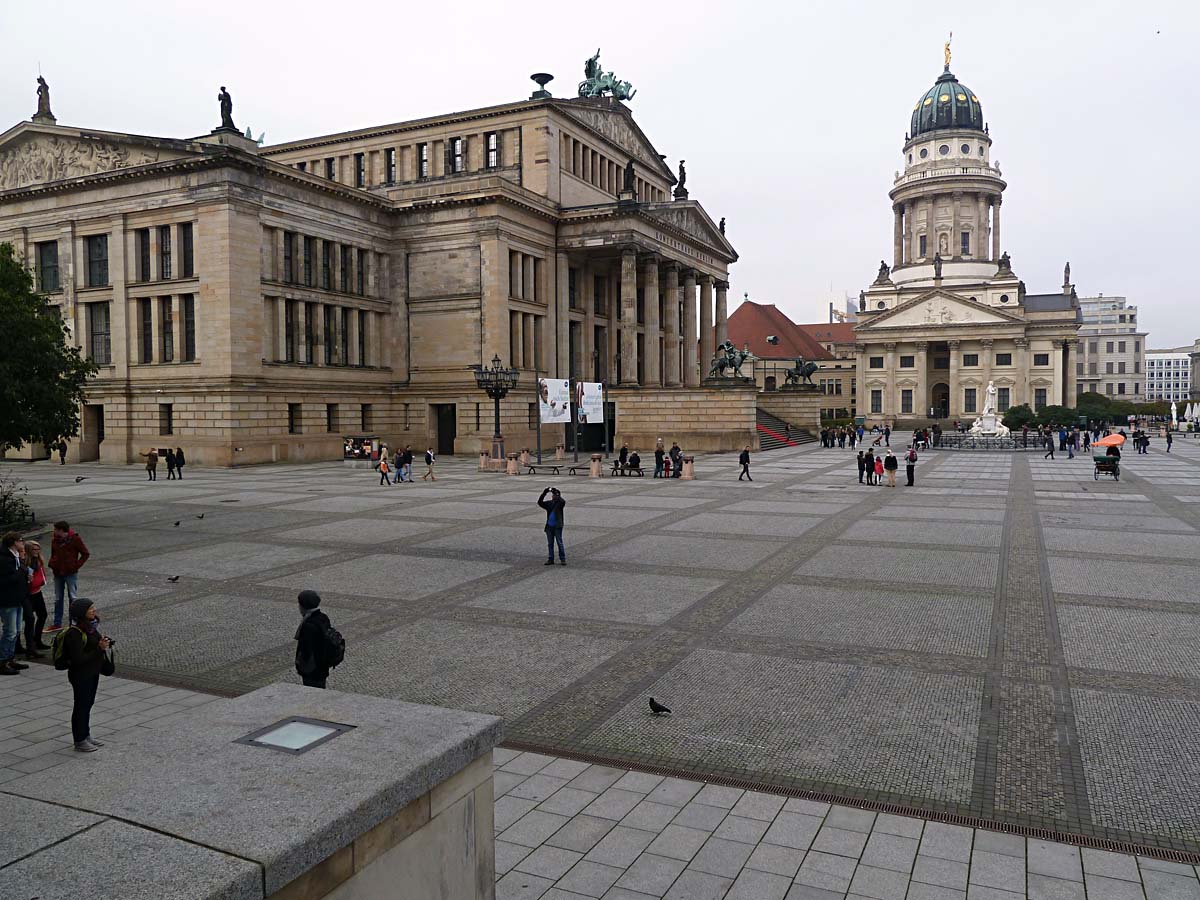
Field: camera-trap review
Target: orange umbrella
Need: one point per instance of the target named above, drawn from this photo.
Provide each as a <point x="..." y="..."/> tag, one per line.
<point x="1113" y="440"/>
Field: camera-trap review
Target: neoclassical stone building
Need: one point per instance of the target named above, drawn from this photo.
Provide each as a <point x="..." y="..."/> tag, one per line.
<point x="949" y="315"/>
<point x="257" y="303"/>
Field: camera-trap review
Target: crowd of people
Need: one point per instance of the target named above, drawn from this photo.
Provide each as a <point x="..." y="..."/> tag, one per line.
<point x="401" y="463"/>
<point x="174" y="459"/>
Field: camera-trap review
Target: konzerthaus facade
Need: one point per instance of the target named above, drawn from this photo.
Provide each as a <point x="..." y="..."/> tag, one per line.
<point x="258" y="303"/>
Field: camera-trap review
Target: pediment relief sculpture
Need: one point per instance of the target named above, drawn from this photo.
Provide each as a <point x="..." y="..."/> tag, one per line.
<point x="48" y="158"/>
<point x="940" y="310"/>
<point x="615" y="127"/>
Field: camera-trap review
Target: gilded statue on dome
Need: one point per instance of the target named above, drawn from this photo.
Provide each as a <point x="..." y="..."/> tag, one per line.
<point x="946" y="49"/>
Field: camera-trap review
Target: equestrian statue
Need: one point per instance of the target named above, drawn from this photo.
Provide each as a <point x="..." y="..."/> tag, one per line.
<point x="802" y="369"/>
<point x="728" y="358"/>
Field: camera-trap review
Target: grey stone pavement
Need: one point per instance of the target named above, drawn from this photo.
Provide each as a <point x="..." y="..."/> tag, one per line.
<point x="568" y="830"/>
<point x="1011" y="641"/>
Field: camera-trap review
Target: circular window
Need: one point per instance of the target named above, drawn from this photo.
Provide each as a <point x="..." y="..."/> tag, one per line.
<point x="1004" y="298"/>
<point x="882" y="305"/>
<point x="928" y="100"/>
<point x="924" y="153"/>
<point x="944" y="149"/>
<point x="974" y="299"/>
<point x="945" y="98"/>
<point x="961" y="97"/>
<point x="966" y="149"/>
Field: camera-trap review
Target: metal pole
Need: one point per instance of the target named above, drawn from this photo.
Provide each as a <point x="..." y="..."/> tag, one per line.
<point x="607" y="424"/>
<point x="537" y="389"/>
<point x="575" y="417"/>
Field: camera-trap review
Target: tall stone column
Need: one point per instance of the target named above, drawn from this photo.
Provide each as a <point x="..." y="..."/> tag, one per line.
<point x="177" y="326"/>
<point x="922" y="402"/>
<point x="671" y="329"/>
<point x="495" y="317"/>
<point x="558" y="329"/>
<point x="281" y="346"/>
<point x="996" y="227"/>
<point x="906" y="253"/>
<point x="986" y="356"/>
<point x="355" y="358"/>
<point x="653" y="366"/>
<point x="528" y="330"/>
<point x="1056" y="360"/>
<point x="898" y="236"/>
<point x="956" y="226"/>
<point x="707" y="333"/>
<point x="691" y="368"/>
<point x="301" y="333"/>
<point x="955" y="410"/>
<point x="628" y="317"/>
<point x="1070" y="359"/>
<point x="980" y="248"/>
<point x="862" y="396"/>
<point x="588" y="344"/>
<point x="722" y="326"/>
<point x="890" y="405"/>
<point x="1022" y="385"/>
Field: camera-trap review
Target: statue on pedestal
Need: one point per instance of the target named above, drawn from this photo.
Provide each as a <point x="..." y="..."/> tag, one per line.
<point x="226" y="110"/>
<point x="937" y="265"/>
<point x="802" y="369"/>
<point x="43" y="113"/>
<point x="885" y="273"/>
<point x="721" y="225"/>
<point x="629" y="177"/>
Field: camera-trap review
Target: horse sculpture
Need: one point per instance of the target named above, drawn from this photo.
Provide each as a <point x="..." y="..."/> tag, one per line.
<point x="728" y="358"/>
<point x="802" y="369"/>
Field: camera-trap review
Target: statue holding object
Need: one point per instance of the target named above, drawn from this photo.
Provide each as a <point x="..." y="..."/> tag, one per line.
<point x="728" y="358"/>
<point x="803" y="370"/>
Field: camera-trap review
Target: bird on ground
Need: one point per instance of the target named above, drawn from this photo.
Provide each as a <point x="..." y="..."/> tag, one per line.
<point x="79" y="478"/>
<point x="201" y="516"/>
<point x="658" y="709"/>
<point x="172" y="578"/>
<point x="177" y="524"/>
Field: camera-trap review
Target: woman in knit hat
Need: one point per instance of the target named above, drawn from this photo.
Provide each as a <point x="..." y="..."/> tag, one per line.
<point x="84" y="646"/>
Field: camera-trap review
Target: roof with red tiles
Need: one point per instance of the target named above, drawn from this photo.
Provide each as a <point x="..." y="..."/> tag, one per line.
<point x="751" y="323"/>
<point x="831" y="333"/>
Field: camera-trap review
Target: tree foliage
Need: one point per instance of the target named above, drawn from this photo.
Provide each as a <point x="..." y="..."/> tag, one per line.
<point x="42" y="377"/>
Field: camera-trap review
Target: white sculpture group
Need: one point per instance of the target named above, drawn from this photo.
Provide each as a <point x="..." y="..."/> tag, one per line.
<point x="989" y="424"/>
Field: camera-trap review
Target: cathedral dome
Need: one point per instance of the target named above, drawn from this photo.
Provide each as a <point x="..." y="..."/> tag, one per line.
<point x="948" y="104"/>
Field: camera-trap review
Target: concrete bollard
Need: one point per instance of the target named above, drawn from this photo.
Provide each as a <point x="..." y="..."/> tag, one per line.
<point x="689" y="469"/>
<point x="513" y="467"/>
<point x="560" y="452"/>
<point x="597" y="468"/>
<point x="485" y="460"/>
<point x="525" y="457"/>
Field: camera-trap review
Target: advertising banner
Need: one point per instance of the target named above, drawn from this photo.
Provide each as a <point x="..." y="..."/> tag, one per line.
<point x="554" y="400"/>
<point x="589" y="402"/>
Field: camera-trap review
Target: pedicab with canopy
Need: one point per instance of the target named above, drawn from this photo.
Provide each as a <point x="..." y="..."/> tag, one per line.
<point x="1106" y="456"/>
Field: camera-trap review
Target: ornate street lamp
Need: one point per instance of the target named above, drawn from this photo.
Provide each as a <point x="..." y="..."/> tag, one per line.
<point x="496" y="382"/>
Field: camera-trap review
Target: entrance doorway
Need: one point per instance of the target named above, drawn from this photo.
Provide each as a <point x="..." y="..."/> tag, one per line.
<point x="941" y="400"/>
<point x="92" y="433"/>
<point x="445" y="416"/>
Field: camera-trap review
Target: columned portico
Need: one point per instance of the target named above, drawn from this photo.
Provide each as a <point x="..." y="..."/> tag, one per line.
<point x="691" y="367"/>
<point x="653" y="343"/>
<point x="707" y="347"/>
<point x="722" y="326"/>
<point x="671" y="331"/>
<point x="955" y="387"/>
<point x="628" y="317"/>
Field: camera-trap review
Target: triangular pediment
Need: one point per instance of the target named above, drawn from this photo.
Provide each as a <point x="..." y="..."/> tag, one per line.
<point x="615" y="124"/>
<point x="942" y="308"/>
<point x="34" y="154"/>
<point x="689" y="217"/>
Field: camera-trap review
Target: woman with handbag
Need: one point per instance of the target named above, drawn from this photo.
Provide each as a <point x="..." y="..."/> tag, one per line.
<point x="86" y="653"/>
<point x="35" y="605"/>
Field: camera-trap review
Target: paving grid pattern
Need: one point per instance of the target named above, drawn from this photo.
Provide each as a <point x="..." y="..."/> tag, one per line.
<point x="952" y="648"/>
<point x="567" y="830"/>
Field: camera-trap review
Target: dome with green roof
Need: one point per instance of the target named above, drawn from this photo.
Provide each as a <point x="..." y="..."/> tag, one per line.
<point x="948" y="104"/>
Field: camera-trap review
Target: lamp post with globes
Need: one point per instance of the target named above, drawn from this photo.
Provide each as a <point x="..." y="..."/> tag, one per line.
<point x="496" y="382"/>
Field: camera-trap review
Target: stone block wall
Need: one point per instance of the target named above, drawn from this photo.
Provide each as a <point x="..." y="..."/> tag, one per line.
<point x="703" y="420"/>
<point x="801" y="408"/>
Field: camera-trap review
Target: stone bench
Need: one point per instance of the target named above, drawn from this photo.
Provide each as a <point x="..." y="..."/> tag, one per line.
<point x="618" y="469"/>
<point x="532" y="468"/>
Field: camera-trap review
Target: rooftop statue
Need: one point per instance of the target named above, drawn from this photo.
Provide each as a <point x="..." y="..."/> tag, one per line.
<point x="885" y="273"/>
<point x="721" y="226"/>
<point x="226" y="109"/>
<point x="937" y="265"/>
<point x="597" y="82"/>
<point x="43" y="94"/>
<point x="1067" y="274"/>
<point x="946" y="50"/>
<point x="682" y="174"/>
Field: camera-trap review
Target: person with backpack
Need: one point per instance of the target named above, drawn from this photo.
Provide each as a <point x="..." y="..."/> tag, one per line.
<point x="81" y="650"/>
<point x="430" y="459"/>
<point x="319" y="646"/>
<point x="384" y="468"/>
<point x="910" y="465"/>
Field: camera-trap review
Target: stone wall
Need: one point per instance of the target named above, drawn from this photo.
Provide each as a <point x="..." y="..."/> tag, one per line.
<point x="705" y="420"/>
<point x="801" y="408"/>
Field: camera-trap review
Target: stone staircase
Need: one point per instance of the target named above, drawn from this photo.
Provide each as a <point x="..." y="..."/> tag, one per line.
<point x="772" y="431"/>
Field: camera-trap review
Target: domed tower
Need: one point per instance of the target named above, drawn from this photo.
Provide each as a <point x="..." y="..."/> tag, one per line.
<point x="947" y="199"/>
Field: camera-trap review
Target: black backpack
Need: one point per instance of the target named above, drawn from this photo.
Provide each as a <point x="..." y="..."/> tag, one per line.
<point x="335" y="646"/>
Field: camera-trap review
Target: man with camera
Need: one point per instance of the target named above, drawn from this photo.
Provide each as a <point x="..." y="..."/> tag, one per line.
<point x="554" y="508"/>
<point x="83" y="650"/>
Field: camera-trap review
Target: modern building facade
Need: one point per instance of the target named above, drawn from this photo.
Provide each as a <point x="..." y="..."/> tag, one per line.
<point x="258" y="303"/>
<point x="950" y="315"/>
<point x="1111" y="348"/>
<point x="1169" y="375"/>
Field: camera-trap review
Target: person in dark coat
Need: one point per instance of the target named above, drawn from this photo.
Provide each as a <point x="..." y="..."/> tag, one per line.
<point x="84" y="646"/>
<point x="311" y="663"/>
<point x="869" y="465"/>
<point x="676" y="461"/>
<point x="659" y="455"/>
<point x="744" y="460"/>
<point x="910" y="465"/>
<point x="14" y="589"/>
<point x="179" y="462"/>
<point x="555" y="519"/>
<point x="62" y="452"/>
<point x="170" y="464"/>
<point x="623" y="456"/>
<point x="862" y="466"/>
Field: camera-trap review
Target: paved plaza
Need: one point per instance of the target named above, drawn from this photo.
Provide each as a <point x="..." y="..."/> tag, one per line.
<point x="1011" y="641"/>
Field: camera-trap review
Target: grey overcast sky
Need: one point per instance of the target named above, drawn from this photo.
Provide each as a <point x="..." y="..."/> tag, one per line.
<point x="791" y="115"/>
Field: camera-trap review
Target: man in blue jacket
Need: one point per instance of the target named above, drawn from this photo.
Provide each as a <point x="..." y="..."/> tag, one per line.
<point x="554" y="523"/>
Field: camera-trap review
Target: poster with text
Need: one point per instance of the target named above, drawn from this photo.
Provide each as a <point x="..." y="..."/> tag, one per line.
<point x="589" y="402"/>
<point x="554" y="400"/>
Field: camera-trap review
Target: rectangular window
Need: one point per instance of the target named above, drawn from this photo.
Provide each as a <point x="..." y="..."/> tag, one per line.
<point x="344" y="336"/>
<point x="1092" y="368"/>
<point x="458" y="155"/>
<point x="188" y="304"/>
<point x="97" y="255"/>
<point x="187" y="251"/>
<point x="1093" y="347"/>
<point x="345" y="274"/>
<point x="493" y="149"/>
<point x="908" y="362"/>
<point x="1108" y="368"/>
<point x="1120" y="387"/>
<point x="876" y="400"/>
<point x="289" y="330"/>
<point x="310" y="333"/>
<point x="970" y="359"/>
<point x="164" y="252"/>
<point x="143" y="254"/>
<point x="167" y="338"/>
<point x="302" y="166"/>
<point x="1120" y="368"/>
<point x="1120" y="346"/>
<point x="47" y="267"/>
<point x="921" y="251"/>
<point x="1041" y="359"/>
<point x="906" y="401"/>
<point x="941" y="362"/>
<point x="360" y="170"/>
<point x="329" y="329"/>
<point x="422" y="160"/>
<point x="876" y="362"/>
<point x="362" y="272"/>
<point x="1137" y="367"/>
<point x="1039" y="398"/>
<point x="166" y="418"/>
<point x="365" y="419"/>
<point x="100" y="338"/>
<point x="573" y="290"/>
<point x="330" y="167"/>
<point x="293" y="418"/>
<point x="289" y="257"/>
<point x="1108" y="388"/>
<point x="969" y="400"/>
<point x="1137" y="346"/>
<point x="146" y="320"/>
<point x="1004" y="359"/>
<point x="600" y="296"/>
<point x="389" y="165"/>
<point x="1109" y="348"/>
<point x="1135" y="387"/>
<point x="331" y="411"/>
<point x="362" y="339"/>
<point x="309" y="250"/>
<point x="1003" y="399"/>
<point x="326" y="265"/>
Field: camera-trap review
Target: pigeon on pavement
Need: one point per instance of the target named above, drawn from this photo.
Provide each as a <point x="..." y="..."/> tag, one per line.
<point x="177" y="523"/>
<point x="172" y="578"/>
<point x="201" y="516"/>
<point x="79" y="478"/>
<point x="658" y="709"/>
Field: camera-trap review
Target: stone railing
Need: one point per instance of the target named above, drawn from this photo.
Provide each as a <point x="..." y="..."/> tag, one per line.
<point x="946" y="172"/>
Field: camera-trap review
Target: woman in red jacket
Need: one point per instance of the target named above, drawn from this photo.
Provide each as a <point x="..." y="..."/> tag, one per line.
<point x="35" y="606"/>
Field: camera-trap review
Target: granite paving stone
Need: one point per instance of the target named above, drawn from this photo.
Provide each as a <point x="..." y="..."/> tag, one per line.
<point x="650" y="816"/>
<point x="839" y="841"/>
<point x="1043" y="887"/>
<point x="549" y="862"/>
<point x="622" y="845"/>
<point x="1053" y="859"/>
<point x="997" y="870"/>
<point x="736" y="828"/>
<point x="698" y="886"/>
<point x="1100" y="888"/>
<point x="1169" y="886"/>
<point x="721" y="857"/>
<point x="776" y="859"/>
<point x="946" y="873"/>
<point x="755" y="885"/>
<point x="697" y="815"/>
<point x="824" y="870"/>
<point x="651" y="874"/>
<point x="918" y="891"/>
<point x="1110" y="865"/>
<point x="793" y="830"/>
<point x="678" y="842"/>
<point x="582" y="833"/>
<point x="880" y="884"/>
<point x="889" y="851"/>
<point x="592" y="879"/>
<point x="567" y="801"/>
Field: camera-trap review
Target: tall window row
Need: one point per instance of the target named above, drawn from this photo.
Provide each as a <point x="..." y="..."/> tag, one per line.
<point x="411" y="162"/>
<point x="525" y="277"/>
<point x="164" y="252"/>
<point x="328" y="265"/>
<point x="166" y="329"/>
<point x="601" y="172"/>
<point x="307" y="333"/>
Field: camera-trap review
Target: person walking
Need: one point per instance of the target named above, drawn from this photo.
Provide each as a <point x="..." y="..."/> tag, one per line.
<point x="406" y="462"/>
<point x="744" y="460"/>
<point x="83" y="647"/>
<point x="170" y="464"/>
<point x="14" y="589"/>
<point x="890" y="465"/>
<point x="68" y="553"/>
<point x="879" y="470"/>
<point x="910" y="465"/>
<point x="555" y="519"/>
<point x="35" y="601"/>
<point x="659" y="454"/>
<point x="384" y="468"/>
<point x="179" y="463"/>
<point x="151" y="464"/>
<point x="887" y="435"/>
<point x="1049" y="439"/>
<point x="862" y="467"/>
<point x="1170" y="440"/>
<point x="430" y="459"/>
<point x="319" y="646"/>
<point x="1087" y="440"/>
<point x="62" y="452"/>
